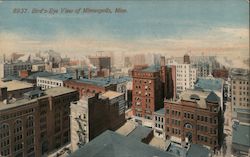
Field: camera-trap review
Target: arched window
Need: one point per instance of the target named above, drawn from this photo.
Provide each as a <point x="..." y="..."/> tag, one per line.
<point x="18" y="126"/>
<point x="30" y="121"/>
<point x="4" y="130"/>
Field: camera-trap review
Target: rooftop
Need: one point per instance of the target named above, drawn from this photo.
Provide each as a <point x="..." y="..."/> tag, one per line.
<point x="62" y="77"/>
<point x="111" y="94"/>
<point x="52" y="92"/>
<point x="241" y="135"/>
<point x="140" y="132"/>
<point x="160" y="111"/>
<point x="199" y="96"/>
<point x="58" y="91"/>
<point x="40" y="74"/>
<point x="15" y="85"/>
<point x="94" y="82"/>
<point x="152" y="68"/>
<point x="209" y="84"/>
<point x="241" y="74"/>
<point x="197" y="150"/>
<point x="111" y="144"/>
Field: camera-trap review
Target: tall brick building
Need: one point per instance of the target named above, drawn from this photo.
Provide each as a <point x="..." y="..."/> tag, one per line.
<point x="196" y="117"/>
<point x="151" y="85"/>
<point x="36" y="124"/>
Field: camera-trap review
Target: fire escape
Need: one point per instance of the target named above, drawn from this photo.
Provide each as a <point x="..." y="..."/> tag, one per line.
<point x="81" y="133"/>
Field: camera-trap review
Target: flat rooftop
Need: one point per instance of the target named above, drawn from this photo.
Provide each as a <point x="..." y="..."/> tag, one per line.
<point x="15" y="85"/>
<point x="160" y="111"/>
<point x="111" y="144"/>
<point x="212" y="84"/>
<point x="49" y="92"/>
<point x="58" y="91"/>
<point x="93" y="82"/>
<point x="241" y="135"/>
<point x="111" y="94"/>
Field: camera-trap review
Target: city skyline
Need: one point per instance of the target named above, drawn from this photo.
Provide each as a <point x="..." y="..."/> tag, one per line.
<point x="167" y="27"/>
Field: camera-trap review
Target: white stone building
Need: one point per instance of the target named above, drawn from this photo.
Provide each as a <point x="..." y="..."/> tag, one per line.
<point x="186" y="76"/>
<point x="52" y="81"/>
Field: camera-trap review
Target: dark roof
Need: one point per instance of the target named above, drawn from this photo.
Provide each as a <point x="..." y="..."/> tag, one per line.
<point x="111" y="144"/>
<point x="93" y="82"/>
<point x="152" y="68"/>
<point x="40" y="74"/>
<point x="160" y="111"/>
<point x="35" y="92"/>
<point x="212" y="97"/>
<point x="195" y="97"/>
<point x="210" y="84"/>
<point x="241" y="135"/>
<point x="140" y="132"/>
<point x="197" y="150"/>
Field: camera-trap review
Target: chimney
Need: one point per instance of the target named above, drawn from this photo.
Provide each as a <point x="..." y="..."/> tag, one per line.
<point x="77" y="76"/>
<point x="89" y="75"/>
<point x="3" y="93"/>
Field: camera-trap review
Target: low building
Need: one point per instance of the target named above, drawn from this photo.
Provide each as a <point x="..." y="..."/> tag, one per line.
<point x="94" y="114"/>
<point x="111" y="144"/>
<point x="15" y="89"/>
<point x="241" y="140"/>
<point x="159" y="123"/>
<point x="56" y="80"/>
<point x="37" y="124"/>
<point x="89" y="87"/>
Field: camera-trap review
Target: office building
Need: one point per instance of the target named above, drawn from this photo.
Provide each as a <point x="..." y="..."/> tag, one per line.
<point x="37" y="124"/>
<point x="90" y="116"/>
<point x="13" y="68"/>
<point x="240" y="90"/>
<point x="195" y="118"/>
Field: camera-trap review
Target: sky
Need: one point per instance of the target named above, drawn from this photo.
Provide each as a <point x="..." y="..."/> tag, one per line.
<point x="172" y="27"/>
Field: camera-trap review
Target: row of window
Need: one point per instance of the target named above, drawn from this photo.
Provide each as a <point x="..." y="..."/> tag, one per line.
<point x="16" y="114"/>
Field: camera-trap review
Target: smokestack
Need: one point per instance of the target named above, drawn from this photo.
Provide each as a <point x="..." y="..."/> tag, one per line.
<point x="77" y="76"/>
<point x="3" y="94"/>
<point x="89" y="75"/>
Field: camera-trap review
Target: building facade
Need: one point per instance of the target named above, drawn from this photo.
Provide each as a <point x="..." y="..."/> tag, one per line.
<point x="186" y="76"/>
<point x="95" y="114"/>
<point x="37" y="124"/>
<point x="147" y="94"/>
<point x="13" y="68"/>
<point x="56" y="80"/>
<point x="240" y="90"/>
<point x="195" y="118"/>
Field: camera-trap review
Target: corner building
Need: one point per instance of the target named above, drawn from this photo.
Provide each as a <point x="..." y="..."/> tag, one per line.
<point x="37" y="124"/>
<point x="195" y="118"/>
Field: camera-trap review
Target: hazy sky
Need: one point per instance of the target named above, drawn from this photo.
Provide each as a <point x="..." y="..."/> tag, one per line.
<point x="171" y="27"/>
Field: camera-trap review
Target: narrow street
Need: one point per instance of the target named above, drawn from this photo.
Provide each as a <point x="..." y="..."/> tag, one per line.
<point x="226" y="147"/>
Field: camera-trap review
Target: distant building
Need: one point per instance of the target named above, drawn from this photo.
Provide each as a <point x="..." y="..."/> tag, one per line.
<point x="186" y="76"/>
<point x="56" y="80"/>
<point x="93" y="115"/>
<point x="195" y="118"/>
<point x="13" y="68"/>
<point x="240" y="90"/>
<point x="89" y="87"/>
<point x="111" y="144"/>
<point x="37" y="124"/>
<point x="186" y="59"/>
<point x="220" y="73"/>
<point x="101" y="62"/>
<point x="204" y="69"/>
